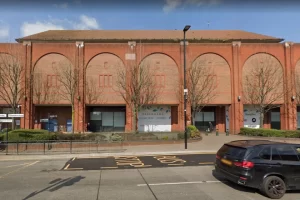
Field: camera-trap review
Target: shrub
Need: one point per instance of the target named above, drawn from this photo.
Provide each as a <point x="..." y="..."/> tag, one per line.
<point x="270" y="132"/>
<point x="194" y="132"/>
<point x="116" y="137"/>
<point x="29" y="131"/>
<point x="181" y="135"/>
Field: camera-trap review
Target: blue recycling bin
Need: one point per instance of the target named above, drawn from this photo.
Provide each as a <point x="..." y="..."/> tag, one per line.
<point x="69" y="125"/>
<point x="51" y="125"/>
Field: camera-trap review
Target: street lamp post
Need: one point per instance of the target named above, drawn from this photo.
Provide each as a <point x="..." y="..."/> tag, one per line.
<point x="186" y="28"/>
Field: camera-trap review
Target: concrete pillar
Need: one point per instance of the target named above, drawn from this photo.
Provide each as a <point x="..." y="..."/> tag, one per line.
<point x="236" y="108"/>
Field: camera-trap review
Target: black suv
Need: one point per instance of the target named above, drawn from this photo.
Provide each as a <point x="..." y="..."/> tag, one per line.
<point x="271" y="167"/>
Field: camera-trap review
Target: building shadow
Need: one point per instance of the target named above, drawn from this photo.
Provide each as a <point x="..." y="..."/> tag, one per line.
<point x="56" y="185"/>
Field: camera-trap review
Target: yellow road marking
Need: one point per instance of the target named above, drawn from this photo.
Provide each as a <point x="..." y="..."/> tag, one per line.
<point x="67" y="167"/>
<point x="74" y="169"/>
<point x="19" y="169"/>
<point x="205" y="163"/>
<point x="73" y="158"/>
<point x="108" y="167"/>
<point x="175" y="164"/>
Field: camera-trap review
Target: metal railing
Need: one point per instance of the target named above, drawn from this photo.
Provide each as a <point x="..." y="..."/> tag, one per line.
<point x="60" y="147"/>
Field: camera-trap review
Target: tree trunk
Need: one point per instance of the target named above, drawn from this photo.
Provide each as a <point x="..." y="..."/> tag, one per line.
<point x="261" y="118"/>
<point x="134" y="121"/>
<point x="73" y="111"/>
<point x="193" y="117"/>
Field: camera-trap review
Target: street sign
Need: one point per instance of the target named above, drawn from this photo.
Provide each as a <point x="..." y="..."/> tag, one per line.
<point x="6" y="120"/>
<point x="43" y="120"/>
<point x="15" y="115"/>
<point x="2" y="115"/>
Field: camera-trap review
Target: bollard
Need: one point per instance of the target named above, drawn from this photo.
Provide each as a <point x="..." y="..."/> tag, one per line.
<point x="217" y="132"/>
<point x="227" y="132"/>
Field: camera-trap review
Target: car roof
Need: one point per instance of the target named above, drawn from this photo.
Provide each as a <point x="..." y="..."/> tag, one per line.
<point x="251" y="143"/>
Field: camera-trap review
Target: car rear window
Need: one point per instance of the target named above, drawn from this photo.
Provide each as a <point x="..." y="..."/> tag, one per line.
<point x="233" y="151"/>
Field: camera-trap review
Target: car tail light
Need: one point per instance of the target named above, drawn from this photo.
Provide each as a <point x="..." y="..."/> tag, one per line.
<point x="244" y="164"/>
<point x="218" y="157"/>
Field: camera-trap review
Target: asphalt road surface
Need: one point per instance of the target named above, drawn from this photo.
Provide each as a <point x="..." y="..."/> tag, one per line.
<point x="131" y="162"/>
<point x="46" y="180"/>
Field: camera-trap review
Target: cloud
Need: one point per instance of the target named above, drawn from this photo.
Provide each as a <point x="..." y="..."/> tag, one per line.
<point x="62" y="5"/>
<point x="4" y="30"/>
<point x="87" y="23"/>
<point x="32" y="28"/>
<point x="173" y="4"/>
<point x="83" y="23"/>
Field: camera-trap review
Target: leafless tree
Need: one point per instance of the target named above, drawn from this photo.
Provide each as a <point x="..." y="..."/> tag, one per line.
<point x="93" y="93"/>
<point x="68" y="77"/>
<point x="136" y="84"/>
<point x="201" y="85"/>
<point x="263" y="85"/>
<point x="11" y="77"/>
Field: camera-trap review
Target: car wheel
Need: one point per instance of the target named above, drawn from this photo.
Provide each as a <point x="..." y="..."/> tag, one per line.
<point x="274" y="187"/>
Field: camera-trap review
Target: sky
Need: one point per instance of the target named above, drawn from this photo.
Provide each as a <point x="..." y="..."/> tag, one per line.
<point x="277" y="18"/>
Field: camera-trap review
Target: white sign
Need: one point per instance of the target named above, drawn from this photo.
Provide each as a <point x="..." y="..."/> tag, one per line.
<point x="155" y="119"/>
<point x="15" y="115"/>
<point x="2" y="115"/>
<point x="6" y="120"/>
<point x="251" y="117"/>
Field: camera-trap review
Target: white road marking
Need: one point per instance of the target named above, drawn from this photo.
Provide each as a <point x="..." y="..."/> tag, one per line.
<point x="181" y="183"/>
<point x="73" y="158"/>
<point x="67" y="167"/>
<point x="19" y="169"/>
<point x="15" y="165"/>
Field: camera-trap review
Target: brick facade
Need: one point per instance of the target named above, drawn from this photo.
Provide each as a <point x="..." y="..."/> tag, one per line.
<point x="100" y="61"/>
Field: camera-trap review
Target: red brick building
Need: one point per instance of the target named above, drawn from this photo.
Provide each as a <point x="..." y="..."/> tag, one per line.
<point x="99" y="53"/>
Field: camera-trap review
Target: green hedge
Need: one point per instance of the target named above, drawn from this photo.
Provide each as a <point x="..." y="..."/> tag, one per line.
<point x="29" y="131"/>
<point x="270" y="133"/>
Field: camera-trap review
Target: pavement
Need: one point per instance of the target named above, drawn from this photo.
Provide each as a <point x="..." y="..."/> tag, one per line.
<point x="209" y="144"/>
<point x="45" y="180"/>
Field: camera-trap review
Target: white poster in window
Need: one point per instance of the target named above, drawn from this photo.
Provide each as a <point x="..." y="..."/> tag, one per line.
<point x="199" y="116"/>
<point x="251" y="117"/>
<point x="95" y="116"/>
<point x="154" y="119"/>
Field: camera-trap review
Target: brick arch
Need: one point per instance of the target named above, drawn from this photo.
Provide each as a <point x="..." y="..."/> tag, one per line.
<point x="166" y="74"/>
<point x="221" y="70"/>
<point x="263" y="53"/>
<point x="51" y="53"/>
<point x="101" y="76"/>
<point x="213" y="53"/>
<point x="257" y="61"/>
<point x="105" y="53"/>
<point x="46" y="81"/>
<point x="160" y="53"/>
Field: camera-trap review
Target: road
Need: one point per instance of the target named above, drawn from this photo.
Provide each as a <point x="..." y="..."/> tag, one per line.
<point x="47" y="179"/>
<point x="131" y="162"/>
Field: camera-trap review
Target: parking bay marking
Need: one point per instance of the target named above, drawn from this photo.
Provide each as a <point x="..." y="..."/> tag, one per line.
<point x="132" y="161"/>
<point x="170" y="160"/>
<point x="181" y="183"/>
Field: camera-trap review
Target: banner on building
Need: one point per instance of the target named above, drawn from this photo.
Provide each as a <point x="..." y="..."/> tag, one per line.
<point x="251" y="117"/>
<point x="154" y="119"/>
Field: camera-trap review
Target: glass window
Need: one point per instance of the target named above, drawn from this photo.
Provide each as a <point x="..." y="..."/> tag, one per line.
<point x="119" y="119"/>
<point x="265" y="154"/>
<point x="107" y="119"/>
<point x="285" y="153"/>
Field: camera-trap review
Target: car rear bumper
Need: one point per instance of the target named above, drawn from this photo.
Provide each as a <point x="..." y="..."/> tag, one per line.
<point x="241" y="180"/>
